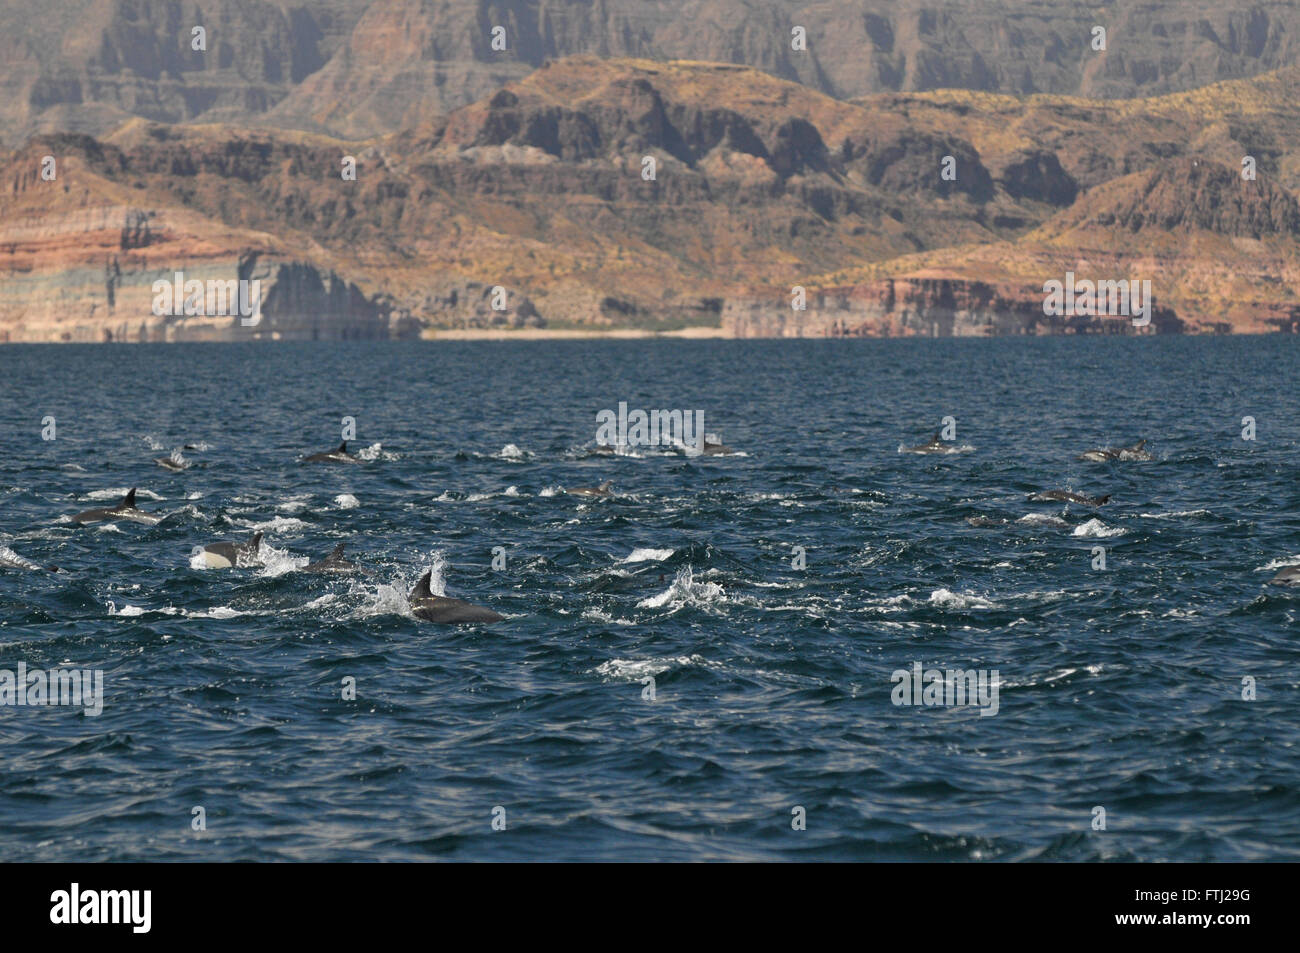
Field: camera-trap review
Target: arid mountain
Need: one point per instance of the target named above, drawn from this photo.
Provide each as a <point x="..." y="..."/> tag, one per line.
<point x="361" y="68"/>
<point x="901" y="213"/>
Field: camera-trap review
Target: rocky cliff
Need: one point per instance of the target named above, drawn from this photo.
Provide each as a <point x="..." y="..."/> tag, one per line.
<point x="359" y="68"/>
<point x="924" y="307"/>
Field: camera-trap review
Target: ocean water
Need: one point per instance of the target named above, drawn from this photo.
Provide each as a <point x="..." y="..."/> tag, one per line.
<point x="1119" y="688"/>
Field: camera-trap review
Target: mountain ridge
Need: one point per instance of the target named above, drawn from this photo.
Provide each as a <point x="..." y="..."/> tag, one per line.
<point x="760" y="185"/>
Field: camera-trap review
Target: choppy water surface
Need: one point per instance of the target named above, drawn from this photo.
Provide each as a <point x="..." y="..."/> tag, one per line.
<point x="1120" y="688"/>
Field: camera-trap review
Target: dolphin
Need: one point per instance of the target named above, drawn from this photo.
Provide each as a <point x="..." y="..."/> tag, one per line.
<point x="983" y="521"/>
<point x="433" y="608"/>
<point x="602" y="490"/>
<point x="712" y="448"/>
<point x="175" y="462"/>
<point x="1290" y="576"/>
<point x="123" y="511"/>
<point x="1065" y="496"/>
<point x="1134" y="452"/>
<point x="338" y="455"/>
<point x="334" y="562"/>
<point x="231" y="555"/>
<point x="933" y="445"/>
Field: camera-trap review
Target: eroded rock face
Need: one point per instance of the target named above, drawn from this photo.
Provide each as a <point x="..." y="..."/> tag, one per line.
<point x="923" y="307"/>
<point x="1036" y="175"/>
<point x="1185" y="194"/>
<point x="360" y="68"/>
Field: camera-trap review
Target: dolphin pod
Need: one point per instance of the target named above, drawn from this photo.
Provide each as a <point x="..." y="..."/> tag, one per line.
<point x="442" y="609"/>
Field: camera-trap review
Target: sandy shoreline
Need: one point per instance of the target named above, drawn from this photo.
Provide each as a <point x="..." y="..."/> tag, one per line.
<point x="564" y="334"/>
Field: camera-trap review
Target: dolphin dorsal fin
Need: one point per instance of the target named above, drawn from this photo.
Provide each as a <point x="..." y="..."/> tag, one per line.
<point x="338" y="551"/>
<point x="256" y="541"/>
<point x="421" y="590"/>
<point x="343" y="447"/>
<point x="128" y="501"/>
<point x="1140" y="444"/>
<point x="606" y="485"/>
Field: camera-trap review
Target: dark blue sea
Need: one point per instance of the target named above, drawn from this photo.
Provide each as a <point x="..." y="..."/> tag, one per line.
<point x="773" y="708"/>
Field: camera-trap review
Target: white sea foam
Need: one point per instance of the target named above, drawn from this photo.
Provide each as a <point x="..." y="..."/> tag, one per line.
<point x="1043" y="519"/>
<point x="637" y="669"/>
<point x="280" y="524"/>
<point x="10" y="556"/>
<point x="640" y="555"/>
<point x="294" y="504"/>
<point x="346" y="501"/>
<point x="603" y="617"/>
<point x="277" y="562"/>
<point x="1282" y="563"/>
<point x="685" y="591"/>
<point x="1096" y="529"/>
<point x="960" y="600"/>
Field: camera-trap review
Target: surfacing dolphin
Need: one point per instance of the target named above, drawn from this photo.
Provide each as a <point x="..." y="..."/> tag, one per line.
<point x="334" y="562"/>
<point x="933" y="445"/>
<point x="338" y="455"/>
<point x="425" y="605"/>
<point x="232" y="555"/>
<point x="175" y="462"/>
<point x="602" y="490"/>
<point x="1290" y="576"/>
<point x="1065" y="496"/>
<point x="1134" y="452"/>
<point x="716" y="448"/>
<point x="125" y="510"/>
